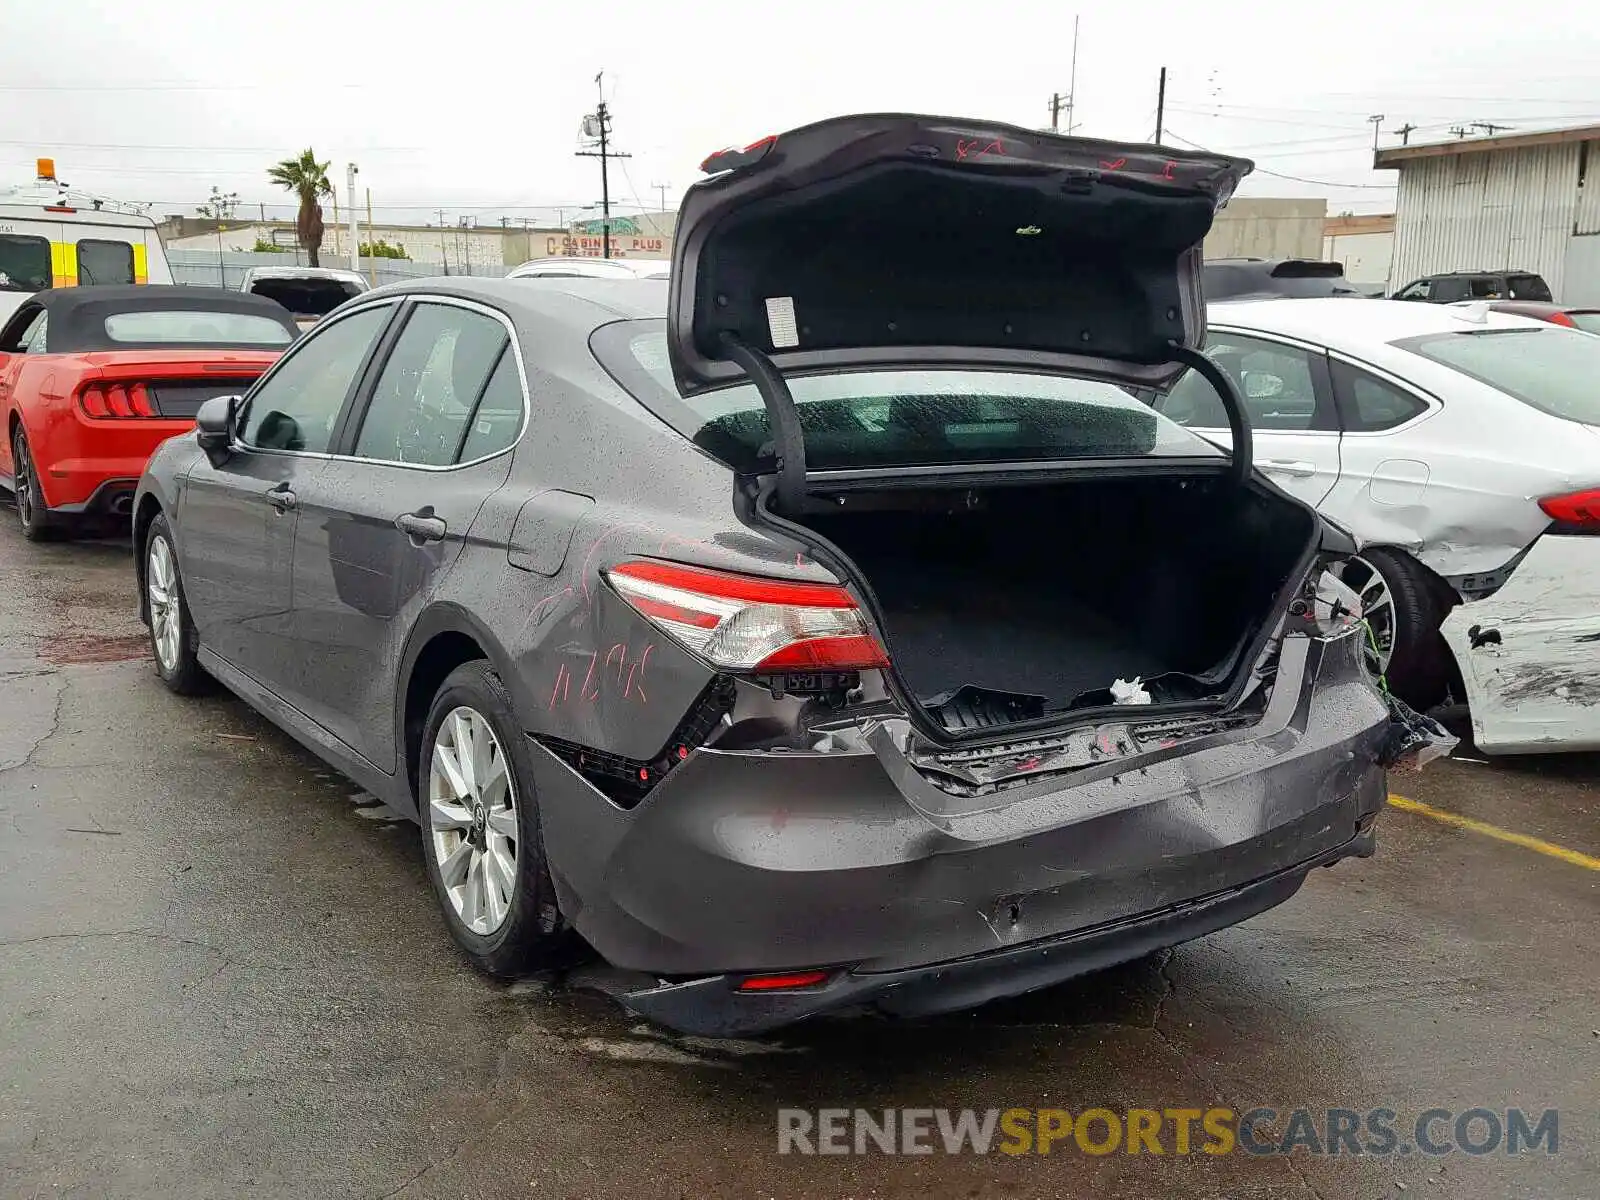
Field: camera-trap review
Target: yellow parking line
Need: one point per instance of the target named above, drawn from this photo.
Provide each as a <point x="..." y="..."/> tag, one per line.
<point x="1537" y="845"/>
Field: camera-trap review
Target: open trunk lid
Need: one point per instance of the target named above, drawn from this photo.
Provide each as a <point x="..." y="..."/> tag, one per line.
<point x="889" y="240"/>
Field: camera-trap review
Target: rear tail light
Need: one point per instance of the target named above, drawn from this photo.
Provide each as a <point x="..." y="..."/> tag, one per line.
<point x="1576" y="508"/>
<point x="1561" y="318"/>
<point x="741" y="623"/>
<point x="101" y="400"/>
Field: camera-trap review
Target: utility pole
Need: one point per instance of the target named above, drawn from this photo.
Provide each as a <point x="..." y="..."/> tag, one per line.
<point x="1489" y="126"/>
<point x="598" y="125"/>
<point x="1377" y="120"/>
<point x="444" y="252"/>
<point x="1461" y="131"/>
<point x="1161" y="104"/>
<point x="355" y="216"/>
<point x="662" y="188"/>
<point x="1405" y="132"/>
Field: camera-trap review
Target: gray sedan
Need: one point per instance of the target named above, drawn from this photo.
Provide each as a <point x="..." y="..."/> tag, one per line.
<point x="817" y="629"/>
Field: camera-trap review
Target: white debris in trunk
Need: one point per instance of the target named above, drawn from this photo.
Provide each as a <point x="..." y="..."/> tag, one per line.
<point x="1124" y="692"/>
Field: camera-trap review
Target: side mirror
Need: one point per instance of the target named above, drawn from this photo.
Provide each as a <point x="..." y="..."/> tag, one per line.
<point x="213" y="425"/>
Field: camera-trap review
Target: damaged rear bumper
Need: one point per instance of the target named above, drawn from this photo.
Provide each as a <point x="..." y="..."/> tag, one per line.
<point x="714" y="1007"/>
<point x="743" y="862"/>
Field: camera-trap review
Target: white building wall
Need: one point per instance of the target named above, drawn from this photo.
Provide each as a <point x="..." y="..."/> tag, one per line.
<point x="1366" y="256"/>
<point x="1496" y="210"/>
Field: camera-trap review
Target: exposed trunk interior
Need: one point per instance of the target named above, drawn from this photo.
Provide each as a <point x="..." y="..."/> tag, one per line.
<point x="1039" y="597"/>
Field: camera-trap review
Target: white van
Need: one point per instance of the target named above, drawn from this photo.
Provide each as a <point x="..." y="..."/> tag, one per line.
<point x="51" y="238"/>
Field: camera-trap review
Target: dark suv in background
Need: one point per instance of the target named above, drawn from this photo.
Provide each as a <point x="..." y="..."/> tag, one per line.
<point x="1453" y="286"/>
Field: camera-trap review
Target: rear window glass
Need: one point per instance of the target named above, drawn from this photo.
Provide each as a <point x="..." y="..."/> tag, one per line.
<point x="24" y="263"/>
<point x="1589" y="322"/>
<point x="1550" y="368"/>
<point x="901" y="418"/>
<point x="211" y="328"/>
<point x="307" y="297"/>
<point x="104" y="262"/>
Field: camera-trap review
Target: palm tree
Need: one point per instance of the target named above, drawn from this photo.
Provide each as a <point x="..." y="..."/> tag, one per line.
<point x="307" y="179"/>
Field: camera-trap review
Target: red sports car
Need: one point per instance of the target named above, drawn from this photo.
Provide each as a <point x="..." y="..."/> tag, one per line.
<point x="92" y="379"/>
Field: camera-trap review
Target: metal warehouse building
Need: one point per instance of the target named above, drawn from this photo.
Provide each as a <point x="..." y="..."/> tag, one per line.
<point x="1527" y="201"/>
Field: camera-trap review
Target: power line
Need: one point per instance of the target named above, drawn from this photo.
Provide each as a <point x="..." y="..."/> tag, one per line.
<point x="1384" y="187"/>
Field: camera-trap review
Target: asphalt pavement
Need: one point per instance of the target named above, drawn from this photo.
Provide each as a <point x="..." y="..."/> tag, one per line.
<point x="222" y="974"/>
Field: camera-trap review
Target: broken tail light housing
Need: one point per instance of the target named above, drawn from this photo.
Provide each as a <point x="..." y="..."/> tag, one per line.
<point x="743" y="623"/>
<point x="115" y="400"/>
<point x="1577" y="511"/>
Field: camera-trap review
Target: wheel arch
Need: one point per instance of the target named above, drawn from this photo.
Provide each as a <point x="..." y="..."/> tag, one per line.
<point x="444" y="637"/>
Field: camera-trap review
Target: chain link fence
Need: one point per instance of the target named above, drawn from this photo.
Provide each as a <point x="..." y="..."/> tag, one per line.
<point x="212" y="268"/>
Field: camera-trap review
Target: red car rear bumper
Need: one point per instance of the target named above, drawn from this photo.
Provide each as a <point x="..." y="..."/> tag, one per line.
<point x="87" y="465"/>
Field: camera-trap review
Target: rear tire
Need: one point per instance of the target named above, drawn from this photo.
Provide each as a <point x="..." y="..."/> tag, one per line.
<point x="480" y="829"/>
<point x="1419" y="669"/>
<point x="38" y="523"/>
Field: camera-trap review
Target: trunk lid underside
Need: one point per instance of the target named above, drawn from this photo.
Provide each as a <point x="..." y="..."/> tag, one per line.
<point x="895" y="243"/>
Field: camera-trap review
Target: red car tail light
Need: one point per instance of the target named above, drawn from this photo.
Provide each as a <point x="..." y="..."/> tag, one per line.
<point x="1575" y="508"/>
<point x="92" y="399"/>
<point x="101" y="400"/>
<point x="742" y="623"/>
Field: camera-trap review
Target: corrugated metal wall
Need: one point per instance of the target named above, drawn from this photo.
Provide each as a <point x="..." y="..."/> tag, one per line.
<point x="1489" y="211"/>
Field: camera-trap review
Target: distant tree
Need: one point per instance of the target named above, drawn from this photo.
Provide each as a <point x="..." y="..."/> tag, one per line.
<point x="263" y="246"/>
<point x="221" y="206"/>
<point x="308" y="180"/>
<point x="382" y="249"/>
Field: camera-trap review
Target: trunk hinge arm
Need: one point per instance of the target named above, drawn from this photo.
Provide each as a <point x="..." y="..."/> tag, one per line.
<point x="788" y="438"/>
<point x="1238" y="419"/>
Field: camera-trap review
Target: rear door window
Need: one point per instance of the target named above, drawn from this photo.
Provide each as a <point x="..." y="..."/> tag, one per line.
<point x="424" y="406"/>
<point x="865" y="419"/>
<point x="1280" y="386"/>
<point x="1486" y="287"/>
<point x="101" y="261"/>
<point x="297" y="406"/>
<point x="24" y="263"/>
<point x="1528" y="287"/>
<point x="1546" y="367"/>
<point x="1448" y="291"/>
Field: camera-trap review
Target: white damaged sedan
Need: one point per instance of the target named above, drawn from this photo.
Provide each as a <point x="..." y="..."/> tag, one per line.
<point x="1462" y="447"/>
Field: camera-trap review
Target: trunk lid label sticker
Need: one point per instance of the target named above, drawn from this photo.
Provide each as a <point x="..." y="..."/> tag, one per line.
<point x="781" y="325"/>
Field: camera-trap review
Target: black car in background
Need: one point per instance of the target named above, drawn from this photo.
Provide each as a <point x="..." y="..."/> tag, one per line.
<point x="826" y="626"/>
<point x="1454" y="286"/>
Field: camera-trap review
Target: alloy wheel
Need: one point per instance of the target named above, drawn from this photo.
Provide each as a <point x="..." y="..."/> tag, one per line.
<point x="472" y="819"/>
<point x="166" y="618"/>
<point x="22" y="479"/>
<point x="1377" y="606"/>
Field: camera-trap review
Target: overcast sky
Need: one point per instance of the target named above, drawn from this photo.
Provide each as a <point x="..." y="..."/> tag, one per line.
<point x="474" y="106"/>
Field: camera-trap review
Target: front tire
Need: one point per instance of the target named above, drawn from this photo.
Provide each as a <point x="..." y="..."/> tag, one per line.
<point x="481" y="839"/>
<point x="38" y="523"/>
<point x="172" y="634"/>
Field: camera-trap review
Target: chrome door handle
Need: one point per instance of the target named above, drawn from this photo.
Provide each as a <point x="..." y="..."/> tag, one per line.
<point x="1295" y="467"/>
<point x="421" y="527"/>
<point x="282" y="499"/>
